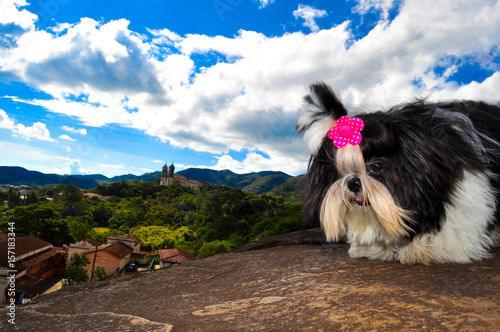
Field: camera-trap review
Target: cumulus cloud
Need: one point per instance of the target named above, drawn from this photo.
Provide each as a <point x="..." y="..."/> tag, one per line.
<point x="72" y="167"/>
<point x="365" y="6"/>
<point x="67" y="138"/>
<point x="11" y="13"/>
<point x="264" y="3"/>
<point x="5" y="121"/>
<point x="309" y="15"/>
<point x="81" y="131"/>
<point x="37" y="131"/>
<point x="249" y="96"/>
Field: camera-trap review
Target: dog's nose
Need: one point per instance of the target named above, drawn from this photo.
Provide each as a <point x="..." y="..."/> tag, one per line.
<point x="354" y="185"/>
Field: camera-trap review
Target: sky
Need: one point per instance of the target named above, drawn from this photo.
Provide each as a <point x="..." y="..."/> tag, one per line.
<point x="124" y="87"/>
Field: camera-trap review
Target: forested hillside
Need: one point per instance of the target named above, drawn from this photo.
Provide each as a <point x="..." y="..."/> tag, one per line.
<point x="14" y="175"/>
<point x="257" y="183"/>
<point x="204" y="221"/>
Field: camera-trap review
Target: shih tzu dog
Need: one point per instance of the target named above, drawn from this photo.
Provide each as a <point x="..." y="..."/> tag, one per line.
<point x="417" y="184"/>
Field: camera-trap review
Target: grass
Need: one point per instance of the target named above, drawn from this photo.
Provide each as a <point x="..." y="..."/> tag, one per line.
<point x="101" y="229"/>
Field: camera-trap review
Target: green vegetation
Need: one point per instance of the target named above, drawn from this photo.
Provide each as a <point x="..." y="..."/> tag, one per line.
<point x="205" y="221"/>
<point x="75" y="271"/>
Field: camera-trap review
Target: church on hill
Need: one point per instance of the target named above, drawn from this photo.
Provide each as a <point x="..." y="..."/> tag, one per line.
<point x="168" y="177"/>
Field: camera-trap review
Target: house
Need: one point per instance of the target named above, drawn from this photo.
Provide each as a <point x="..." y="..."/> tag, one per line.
<point x="82" y="247"/>
<point x="35" y="261"/>
<point x="169" y="257"/>
<point x="93" y="242"/>
<point x="130" y="241"/>
<point x="168" y="177"/>
<point x="113" y="256"/>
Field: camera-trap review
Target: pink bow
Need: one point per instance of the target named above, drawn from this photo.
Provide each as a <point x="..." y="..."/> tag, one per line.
<point x="346" y="131"/>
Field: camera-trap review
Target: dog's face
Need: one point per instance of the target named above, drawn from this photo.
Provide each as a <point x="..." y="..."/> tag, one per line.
<point x="395" y="181"/>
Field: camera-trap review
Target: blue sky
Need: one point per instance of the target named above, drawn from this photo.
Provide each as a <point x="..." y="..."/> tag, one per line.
<point x="117" y="87"/>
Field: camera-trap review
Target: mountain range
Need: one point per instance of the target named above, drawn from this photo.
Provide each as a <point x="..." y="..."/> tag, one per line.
<point x="274" y="183"/>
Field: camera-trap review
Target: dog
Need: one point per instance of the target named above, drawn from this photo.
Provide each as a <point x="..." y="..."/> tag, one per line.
<point x="416" y="184"/>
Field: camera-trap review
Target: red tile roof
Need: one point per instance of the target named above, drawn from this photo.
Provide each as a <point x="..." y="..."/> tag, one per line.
<point x="29" y="284"/>
<point x="118" y="249"/>
<point x="23" y="246"/>
<point x="93" y="242"/>
<point x="37" y="258"/>
<point x="29" y="243"/>
<point x="175" y="256"/>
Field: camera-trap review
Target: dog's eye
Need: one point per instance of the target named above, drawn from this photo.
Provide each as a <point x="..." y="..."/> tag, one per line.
<point x="375" y="168"/>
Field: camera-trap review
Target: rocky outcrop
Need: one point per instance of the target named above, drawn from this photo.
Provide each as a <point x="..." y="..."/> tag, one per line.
<point x="289" y="287"/>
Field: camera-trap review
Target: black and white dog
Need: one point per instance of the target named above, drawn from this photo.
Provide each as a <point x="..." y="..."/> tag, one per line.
<point x="417" y="184"/>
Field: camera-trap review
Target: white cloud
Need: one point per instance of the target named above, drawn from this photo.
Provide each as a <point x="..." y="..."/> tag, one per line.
<point x="5" y="121"/>
<point x="10" y="13"/>
<point x="309" y="15"/>
<point x="249" y="98"/>
<point x="38" y="131"/>
<point x="147" y="170"/>
<point x="72" y="167"/>
<point x="255" y="162"/>
<point x="81" y="131"/>
<point x="264" y="3"/>
<point x="67" y="138"/>
<point x="365" y="6"/>
<point x="66" y="148"/>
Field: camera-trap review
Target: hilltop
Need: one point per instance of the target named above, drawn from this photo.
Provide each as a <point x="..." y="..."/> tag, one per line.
<point x="276" y="183"/>
<point x="302" y="284"/>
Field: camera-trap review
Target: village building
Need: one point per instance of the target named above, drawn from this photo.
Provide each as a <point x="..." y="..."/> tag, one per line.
<point x="112" y="256"/>
<point x="128" y="240"/>
<point x="168" y="177"/>
<point x="169" y="257"/>
<point x="35" y="261"/>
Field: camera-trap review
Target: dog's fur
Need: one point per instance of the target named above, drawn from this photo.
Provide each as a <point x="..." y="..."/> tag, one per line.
<point x="421" y="187"/>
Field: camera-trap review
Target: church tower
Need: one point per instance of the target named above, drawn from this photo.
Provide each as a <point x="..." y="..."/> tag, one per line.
<point x="171" y="170"/>
<point x="168" y="177"/>
<point x="164" y="171"/>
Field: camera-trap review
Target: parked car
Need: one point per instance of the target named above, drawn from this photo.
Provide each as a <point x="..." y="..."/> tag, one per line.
<point x="131" y="267"/>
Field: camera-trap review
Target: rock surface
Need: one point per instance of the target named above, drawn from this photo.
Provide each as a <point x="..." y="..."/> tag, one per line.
<point x="296" y="287"/>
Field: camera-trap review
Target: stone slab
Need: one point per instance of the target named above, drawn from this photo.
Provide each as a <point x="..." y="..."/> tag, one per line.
<point x="299" y="287"/>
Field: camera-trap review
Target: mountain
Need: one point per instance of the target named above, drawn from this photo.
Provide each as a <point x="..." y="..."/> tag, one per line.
<point x="14" y="175"/>
<point x="293" y="190"/>
<point x="257" y="183"/>
<point x="275" y="183"/>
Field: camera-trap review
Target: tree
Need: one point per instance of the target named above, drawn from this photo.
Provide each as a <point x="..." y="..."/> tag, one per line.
<point x="75" y="272"/>
<point x="98" y="273"/>
<point x="14" y="199"/>
<point x="215" y="248"/>
<point x="31" y="199"/>
<point x="79" y="227"/>
<point x="70" y="194"/>
<point x="102" y="214"/>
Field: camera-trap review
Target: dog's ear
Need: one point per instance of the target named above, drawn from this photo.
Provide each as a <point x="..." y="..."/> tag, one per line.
<point x="320" y="111"/>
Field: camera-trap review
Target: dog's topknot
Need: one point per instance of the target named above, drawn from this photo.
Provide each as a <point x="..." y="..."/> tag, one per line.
<point x="320" y="111"/>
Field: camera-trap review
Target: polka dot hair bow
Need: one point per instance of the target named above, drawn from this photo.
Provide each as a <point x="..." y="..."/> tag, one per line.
<point x="346" y="130"/>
